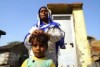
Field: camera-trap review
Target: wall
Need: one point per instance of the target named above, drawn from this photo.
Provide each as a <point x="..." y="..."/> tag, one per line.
<point x="83" y="48"/>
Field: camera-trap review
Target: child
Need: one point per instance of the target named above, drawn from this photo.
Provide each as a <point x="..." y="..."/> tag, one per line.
<point x="39" y="44"/>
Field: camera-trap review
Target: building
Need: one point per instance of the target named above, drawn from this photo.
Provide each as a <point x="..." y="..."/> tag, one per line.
<point x="71" y="19"/>
<point x="13" y="54"/>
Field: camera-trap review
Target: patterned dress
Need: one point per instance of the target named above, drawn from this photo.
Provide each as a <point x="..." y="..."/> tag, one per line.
<point x="38" y="62"/>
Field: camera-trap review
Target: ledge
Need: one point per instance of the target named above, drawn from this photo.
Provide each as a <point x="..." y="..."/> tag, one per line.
<point x="58" y="8"/>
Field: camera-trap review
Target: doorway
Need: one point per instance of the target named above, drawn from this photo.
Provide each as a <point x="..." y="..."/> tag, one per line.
<point x="67" y="57"/>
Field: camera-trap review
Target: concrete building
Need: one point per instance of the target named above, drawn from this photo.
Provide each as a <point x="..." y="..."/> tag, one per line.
<point x="71" y="18"/>
<point x="13" y="54"/>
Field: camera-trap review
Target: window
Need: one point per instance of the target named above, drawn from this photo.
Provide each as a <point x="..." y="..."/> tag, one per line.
<point x="61" y="18"/>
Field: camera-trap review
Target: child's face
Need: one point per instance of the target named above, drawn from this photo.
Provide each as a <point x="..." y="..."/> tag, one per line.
<point x="38" y="49"/>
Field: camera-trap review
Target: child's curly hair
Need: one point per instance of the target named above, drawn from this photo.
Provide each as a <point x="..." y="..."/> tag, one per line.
<point x="39" y="36"/>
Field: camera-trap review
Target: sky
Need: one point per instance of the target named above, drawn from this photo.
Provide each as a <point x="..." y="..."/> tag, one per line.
<point x="18" y="16"/>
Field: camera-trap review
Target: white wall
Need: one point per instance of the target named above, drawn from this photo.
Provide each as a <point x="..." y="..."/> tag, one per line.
<point x="67" y="57"/>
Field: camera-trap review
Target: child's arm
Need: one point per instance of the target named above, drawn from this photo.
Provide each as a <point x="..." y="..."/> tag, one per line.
<point x="24" y="64"/>
<point x="52" y="64"/>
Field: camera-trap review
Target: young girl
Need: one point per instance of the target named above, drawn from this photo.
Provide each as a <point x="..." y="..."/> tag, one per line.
<point x="39" y="43"/>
